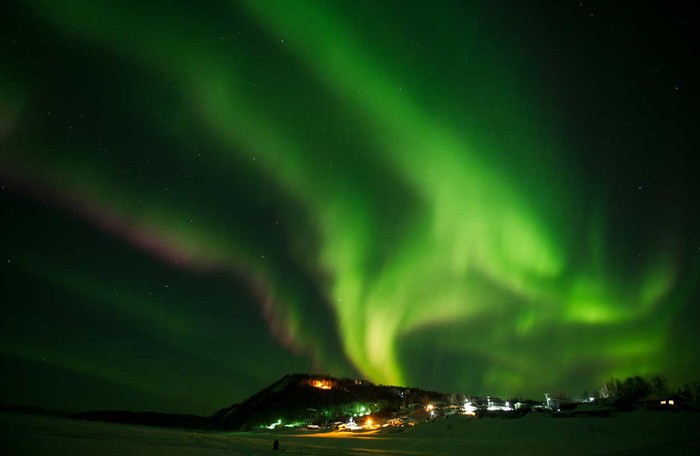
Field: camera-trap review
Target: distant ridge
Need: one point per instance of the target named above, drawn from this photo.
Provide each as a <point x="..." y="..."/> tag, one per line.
<point x="31" y="410"/>
<point x="169" y="420"/>
<point x="293" y="400"/>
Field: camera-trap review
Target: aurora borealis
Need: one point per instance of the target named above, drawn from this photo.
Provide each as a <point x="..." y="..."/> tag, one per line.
<point x="485" y="197"/>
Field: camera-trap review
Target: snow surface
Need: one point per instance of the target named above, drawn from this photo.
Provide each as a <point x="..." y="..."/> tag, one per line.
<point x="634" y="433"/>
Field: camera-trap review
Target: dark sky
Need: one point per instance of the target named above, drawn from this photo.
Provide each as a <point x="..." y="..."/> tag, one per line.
<point x="481" y="197"/>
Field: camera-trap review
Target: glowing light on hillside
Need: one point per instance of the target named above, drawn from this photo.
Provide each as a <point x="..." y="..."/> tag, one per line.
<point x="275" y="424"/>
<point x="469" y="409"/>
<point x="351" y="425"/>
<point x="321" y="384"/>
<point x="431" y="409"/>
<point x="370" y="424"/>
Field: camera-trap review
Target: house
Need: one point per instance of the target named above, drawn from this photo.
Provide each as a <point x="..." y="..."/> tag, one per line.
<point x="663" y="401"/>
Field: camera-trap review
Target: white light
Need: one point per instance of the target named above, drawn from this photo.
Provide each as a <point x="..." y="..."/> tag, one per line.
<point x="352" y="425"/>
<point x="273" y="425"/>
<point x="469" y="409"/>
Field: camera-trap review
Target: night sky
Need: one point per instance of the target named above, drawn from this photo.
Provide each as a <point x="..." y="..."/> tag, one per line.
<point x="482" y="197"/>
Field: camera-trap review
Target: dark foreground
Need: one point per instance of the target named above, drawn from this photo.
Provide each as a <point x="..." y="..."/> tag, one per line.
<point x="637" y="433"/>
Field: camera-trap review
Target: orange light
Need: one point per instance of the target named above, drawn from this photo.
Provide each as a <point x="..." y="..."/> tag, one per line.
<point x="321" y="384"/>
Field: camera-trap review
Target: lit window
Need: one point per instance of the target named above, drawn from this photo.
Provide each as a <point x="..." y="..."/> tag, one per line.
<point x="663" y="402"/>
<point x="670" y="402"/>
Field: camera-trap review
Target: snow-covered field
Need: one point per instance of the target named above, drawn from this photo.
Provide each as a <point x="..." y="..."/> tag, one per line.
<point x="625" y="434"/>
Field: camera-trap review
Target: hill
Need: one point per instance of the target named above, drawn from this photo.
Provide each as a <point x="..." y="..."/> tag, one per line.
<point x="299" y="399"/>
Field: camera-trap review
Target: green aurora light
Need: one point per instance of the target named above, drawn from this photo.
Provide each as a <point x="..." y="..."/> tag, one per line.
<point x="397" y="189"/>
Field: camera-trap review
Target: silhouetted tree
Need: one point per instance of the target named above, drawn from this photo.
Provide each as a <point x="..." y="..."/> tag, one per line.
<point x="693" y="389"/>
<point x="634" y="388"/>
<point x="631" y="388"/>
<point x="611" y="388"/>
<point x="658" y="384"/>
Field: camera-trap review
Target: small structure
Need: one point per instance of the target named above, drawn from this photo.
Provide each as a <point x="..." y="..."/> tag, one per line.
<point x="662" y="401"/>
<point x="394" y="422"/>
<point x="351" y="425"/>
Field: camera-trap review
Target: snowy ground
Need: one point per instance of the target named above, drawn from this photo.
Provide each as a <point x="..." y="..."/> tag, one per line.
<point x="626" y="434"/>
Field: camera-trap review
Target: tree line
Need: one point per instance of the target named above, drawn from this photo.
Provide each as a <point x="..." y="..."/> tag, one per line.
<point x="634" y="388"/>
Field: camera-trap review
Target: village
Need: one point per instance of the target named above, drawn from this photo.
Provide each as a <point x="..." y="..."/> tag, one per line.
<point x="372" y="416"/>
